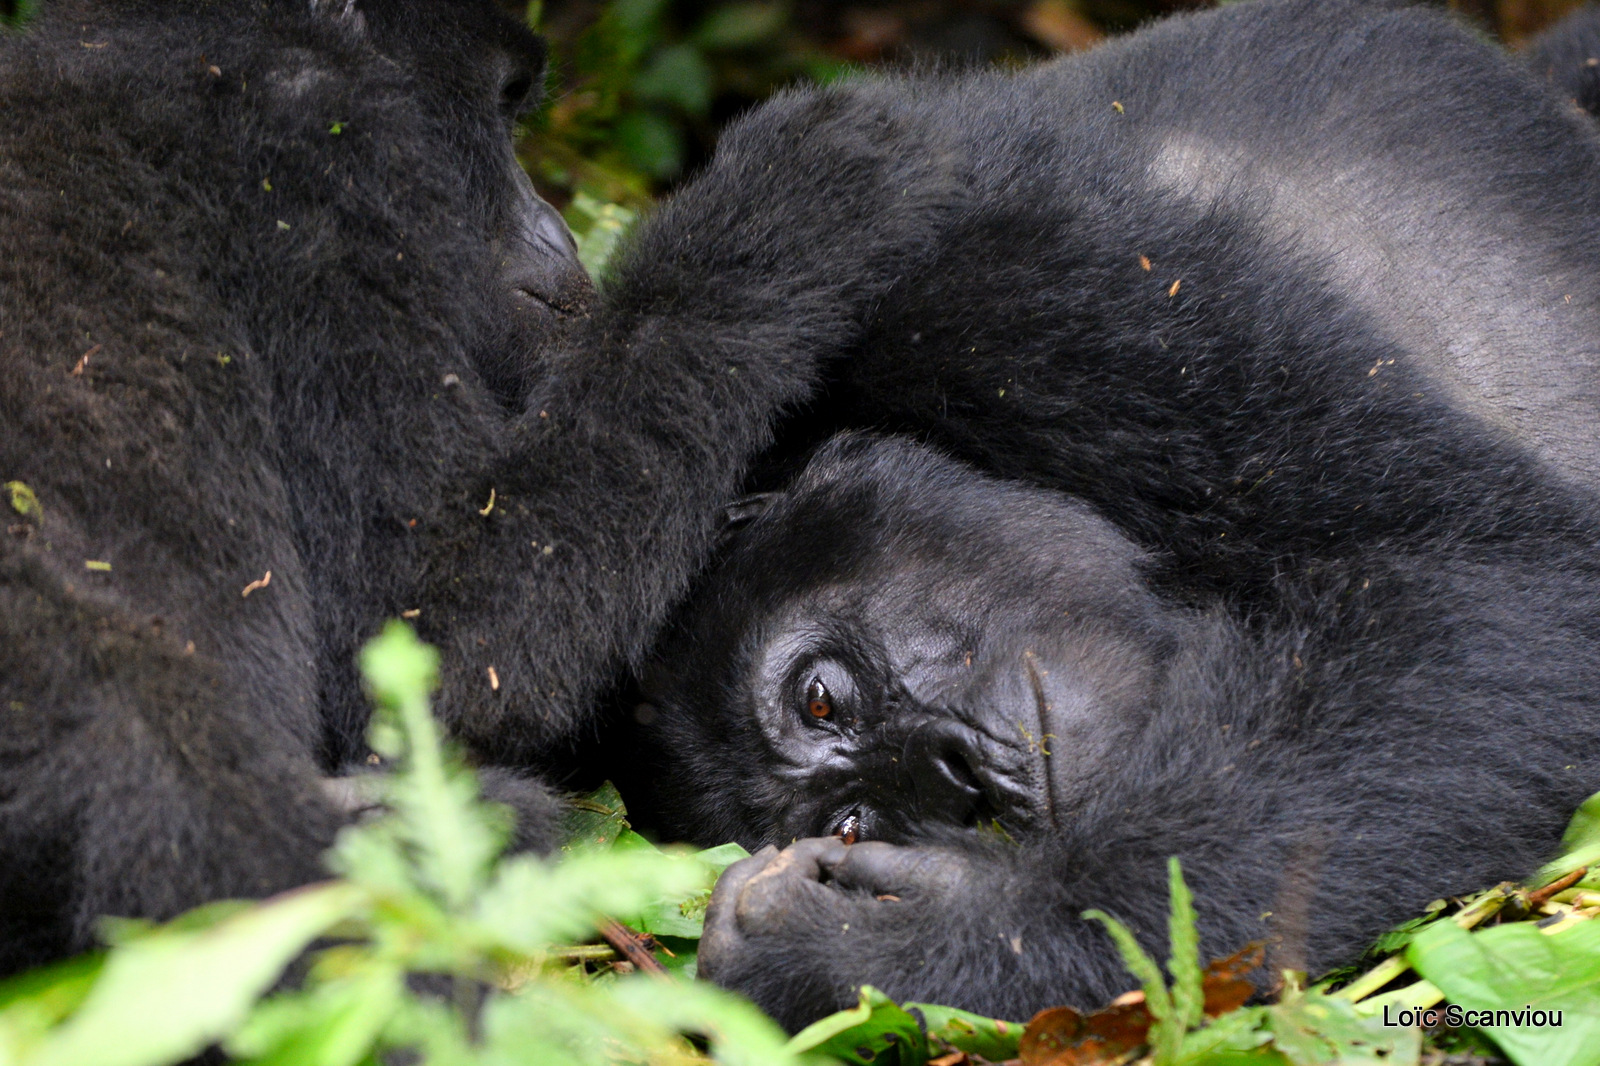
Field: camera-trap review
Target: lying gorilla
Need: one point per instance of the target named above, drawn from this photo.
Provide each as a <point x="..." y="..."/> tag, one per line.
<point x="980" y="670"/>
<point x="288" y="346"/>
<point x="1282" y="322"/>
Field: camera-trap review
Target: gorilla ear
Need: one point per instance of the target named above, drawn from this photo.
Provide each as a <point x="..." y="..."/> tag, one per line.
<point x="744" y="510"/>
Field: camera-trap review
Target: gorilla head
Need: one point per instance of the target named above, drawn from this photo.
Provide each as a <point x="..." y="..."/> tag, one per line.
<point x="898" y="645"/>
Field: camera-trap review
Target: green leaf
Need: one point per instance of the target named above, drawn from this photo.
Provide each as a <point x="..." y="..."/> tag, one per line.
<point x="741" y="25"/>
<point x="1312" y="1028"/>
<point x="21" y="14"/>
<point x="23" y="501"/>
<point x="1516" y="966"/>
<point x="531" y="904"/>
<point x="684" y="914"/>
<point x="336" y="1023"/>
<point x="453" y="839"/>
<point x="400" y="670"/>
<point x="1402" y="934"/>
<point x="437" y="1033"/>
<point x="626" y="1020"/>
<point x="1240" y="1036"/>
<point x="593" y="822"/>
<point x="650" y="143"/>
<point x="861" y="1035"/>
<point x="601" y="227"/>
<point x="1580" y="844"/>
<point x="169" y="994"/>
<point x="677" y="75"/>
<point x="32" y="1002"/>
<point x="740" y="1035"/>
<point x="1188" y="998"/>
<point x="947" y="1027"/>
<point x="636" y="18"/>
<point x="1166" y="1032"/>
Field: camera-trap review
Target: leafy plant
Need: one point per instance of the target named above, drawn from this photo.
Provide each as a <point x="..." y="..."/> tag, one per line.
<point x="17" y="12"/>
<point x="429" y="941"/>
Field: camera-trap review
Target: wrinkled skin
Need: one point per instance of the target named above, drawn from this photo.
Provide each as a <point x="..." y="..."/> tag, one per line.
<point x="952" y="653"/>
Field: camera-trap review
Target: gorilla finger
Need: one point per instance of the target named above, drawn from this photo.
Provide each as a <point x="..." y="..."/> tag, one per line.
<point x="808" y="858"/>
<point x="358" y="796"/>
<point x="735" y="877"/>
<point x="790" y="888"/>
<point x="890" y="869"/>
<point x="724" y="897"/>
<point x="720" y="942"/>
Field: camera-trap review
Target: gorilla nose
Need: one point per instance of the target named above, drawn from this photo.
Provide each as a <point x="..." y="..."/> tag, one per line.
<point x="940" y="757"/>
<point x="541" y="258"/>
<point x="550" y="230"/>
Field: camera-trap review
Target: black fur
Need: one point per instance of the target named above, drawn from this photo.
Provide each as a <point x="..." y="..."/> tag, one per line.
<point x="1567" y="55"/>
<point x="274" y="296"/>
<point x="1304" y="299"/>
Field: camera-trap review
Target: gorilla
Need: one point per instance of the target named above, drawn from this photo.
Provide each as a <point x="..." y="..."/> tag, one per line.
<point x="1568" y="56"/>
<point x="288" y="346"/>
<point x="1238" y="502"/>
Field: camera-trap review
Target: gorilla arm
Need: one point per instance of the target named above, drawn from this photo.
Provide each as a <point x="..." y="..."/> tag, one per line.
<point x="714" y="319"/>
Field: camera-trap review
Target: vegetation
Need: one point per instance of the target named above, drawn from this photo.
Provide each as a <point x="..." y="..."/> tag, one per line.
<point x="433" y="941"/>
<point x="430" y="939"/>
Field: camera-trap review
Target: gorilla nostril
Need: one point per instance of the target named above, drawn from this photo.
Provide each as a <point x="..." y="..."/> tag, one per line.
<point x="946" y="785"/>
<point x="951" y="763"/>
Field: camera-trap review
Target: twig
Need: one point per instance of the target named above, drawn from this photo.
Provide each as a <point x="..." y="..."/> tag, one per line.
<point x="1395" y="965"/>
<point x="585" y="953"/>
<point x="1537" y="899"/>
<point x="633" y="946"/>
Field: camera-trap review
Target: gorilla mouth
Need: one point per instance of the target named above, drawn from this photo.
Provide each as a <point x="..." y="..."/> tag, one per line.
<point x="562" y="303"/>
<point x="540" y="264"/>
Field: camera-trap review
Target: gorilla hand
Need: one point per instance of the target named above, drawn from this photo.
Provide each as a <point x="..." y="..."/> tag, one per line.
<point x="798" y="930"/>
<point x="359" y="796"/>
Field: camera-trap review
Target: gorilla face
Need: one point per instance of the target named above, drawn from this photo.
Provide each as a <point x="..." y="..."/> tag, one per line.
<point x="469" y="75"/>
<point x="936" y="650"/>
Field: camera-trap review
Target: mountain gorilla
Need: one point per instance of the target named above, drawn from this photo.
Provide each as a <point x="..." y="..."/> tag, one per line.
<point x="1280" y="323"/>
<point x="287" y="346"/>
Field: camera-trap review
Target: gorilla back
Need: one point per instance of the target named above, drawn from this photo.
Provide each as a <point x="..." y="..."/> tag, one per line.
<point x="1304" y="299"/>
<point x="287" y="346"/>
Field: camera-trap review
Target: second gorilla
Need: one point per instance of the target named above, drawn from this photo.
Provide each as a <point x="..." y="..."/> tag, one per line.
<point x="1281" y="321"/>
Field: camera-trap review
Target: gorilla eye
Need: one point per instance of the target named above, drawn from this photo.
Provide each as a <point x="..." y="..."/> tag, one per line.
<point x="515" y="94"/>
<point x="818" y="701"/>
<point x="848" y="829"/>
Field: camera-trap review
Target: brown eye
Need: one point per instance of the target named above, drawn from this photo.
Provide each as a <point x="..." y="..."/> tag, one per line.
<point x="818" y="702"/>
<point x="848" y="829"/>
